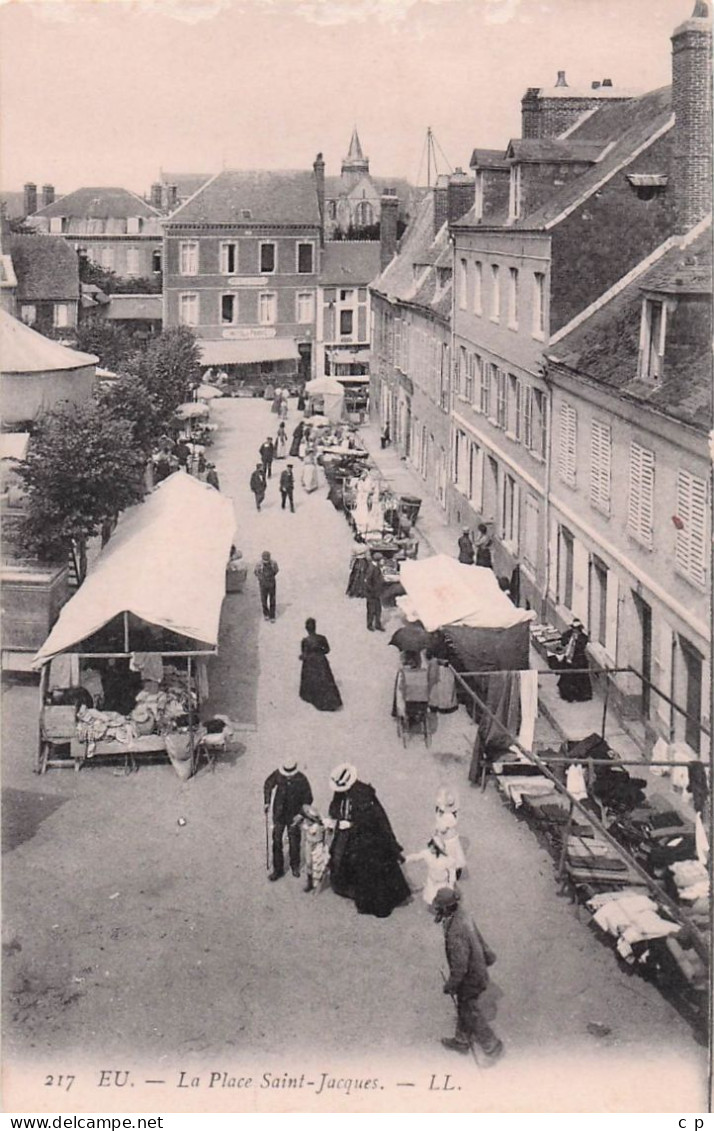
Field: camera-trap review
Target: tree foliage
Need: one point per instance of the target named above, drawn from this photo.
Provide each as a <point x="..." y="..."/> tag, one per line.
<point x="112" y="284"/>
<point x="112" y="344"/>
<point x="82" y="470"/>
<point x="128" y="399"/>
<point x="169" y="369"/>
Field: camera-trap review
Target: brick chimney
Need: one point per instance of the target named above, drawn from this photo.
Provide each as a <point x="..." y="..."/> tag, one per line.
<point x="388" y="227"/>
<point x="441" y="190"/>
<point x="171" y="197"/>
<point x="156" y="194"/>
<point x="30" y="201"/>
<point x="48" y="195"/>
<point x="460" y="195"/>
<point x="319" y="170"/>
<point x="692" y="104"/>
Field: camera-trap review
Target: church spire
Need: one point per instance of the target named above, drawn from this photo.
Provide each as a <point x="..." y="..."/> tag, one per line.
<point x="355" y="161"/>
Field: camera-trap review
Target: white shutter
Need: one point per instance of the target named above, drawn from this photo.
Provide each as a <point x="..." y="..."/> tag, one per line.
<point x="611" y="615"/>
<point x="690" y="550"/>
<point x="581" y="570"/>
<point x="552" y="586"/>
<point x="567" y="453"/>
<point x="640" y="512"/>
<point x="600" y="465"/>
<point x="531" y="518"/>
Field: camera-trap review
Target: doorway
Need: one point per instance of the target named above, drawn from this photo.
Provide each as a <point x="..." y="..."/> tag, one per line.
<point x="693" y="666"/>
<point x="644" y="613"/>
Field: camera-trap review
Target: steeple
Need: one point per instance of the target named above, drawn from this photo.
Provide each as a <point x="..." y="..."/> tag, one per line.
<point x="355" y="161"/>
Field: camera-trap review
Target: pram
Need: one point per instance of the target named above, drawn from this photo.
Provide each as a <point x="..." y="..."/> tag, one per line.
<point x="411" y="703"/>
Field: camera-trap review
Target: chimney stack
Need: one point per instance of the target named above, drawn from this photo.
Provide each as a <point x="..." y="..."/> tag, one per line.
<point x="561" y="79"/>
<point x="692" y="104"/>
<point x="441" y="210"/>
<point x="460" y="195"/>
<point x="595" y="85"/>
<point x="48" y="195"/>
<point x="319" y="170"/>
<point x="155" y="195"/>
<point x="388" y="227"/>
<point x="607" y="82"/>
<point x="171" y="197"/>
<point x="30" y="202"/>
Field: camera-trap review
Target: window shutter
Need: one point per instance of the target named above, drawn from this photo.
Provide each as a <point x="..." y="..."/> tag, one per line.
<point x="567" y="453"/>
<point x="640" y="515"/>
<point x="690" y="551"/>
<point x="600" y="465"/>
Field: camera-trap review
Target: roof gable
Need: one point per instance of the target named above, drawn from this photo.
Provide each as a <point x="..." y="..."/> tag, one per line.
<point x="257" y="197"/>
<point x="99" y="204"/>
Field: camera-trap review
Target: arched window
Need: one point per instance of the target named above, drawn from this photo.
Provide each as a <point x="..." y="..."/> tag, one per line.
<point x="364" y="214"/>
<point x="331" y="210"/>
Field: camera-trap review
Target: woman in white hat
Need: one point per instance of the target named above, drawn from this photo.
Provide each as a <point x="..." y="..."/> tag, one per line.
<point x="365" y="855"/>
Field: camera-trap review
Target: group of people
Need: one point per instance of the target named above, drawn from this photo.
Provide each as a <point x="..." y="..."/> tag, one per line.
<point x="259" y="484"/>
<point x="354" y="850"/>
<point x="476" y="550"/>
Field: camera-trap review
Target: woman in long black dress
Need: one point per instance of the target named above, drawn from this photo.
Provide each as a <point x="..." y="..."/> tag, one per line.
<point x="365" y="856"/>
<point x="317" y="683"/>
<point x="297" y="439"/>
<point x="574" y="685"/>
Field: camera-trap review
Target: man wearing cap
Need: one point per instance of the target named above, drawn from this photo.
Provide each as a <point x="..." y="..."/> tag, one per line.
<point x="258" y="485"/>
<point x="287" y="486"/>
<point x="266" y="571"/>
<point x="373" y="587"/>
<point x="468" y="957"/>
<point x="267" y="454"/>
<point x="467" y="550"/>
<point x="285" y="792"/>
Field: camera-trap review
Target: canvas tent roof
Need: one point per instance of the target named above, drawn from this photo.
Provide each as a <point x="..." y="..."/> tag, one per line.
<point x="155" y="567"/>
<point x="320" y="386"/>
<point x="23" y="350"/>
<point x="442" y="591"/>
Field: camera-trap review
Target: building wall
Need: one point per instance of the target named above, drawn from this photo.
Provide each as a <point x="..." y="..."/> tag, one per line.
<point x="332" y="302"/>
<point x="125" y="256"/>
<point x="245" y="282"/>
<point x="637" y="571"/>
<point x="499" y="441"/>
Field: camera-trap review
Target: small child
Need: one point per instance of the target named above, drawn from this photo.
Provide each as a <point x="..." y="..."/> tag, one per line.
<point x="440" y="871"/>
<point x="445" y="826"/>
<point x="314" y="849"/>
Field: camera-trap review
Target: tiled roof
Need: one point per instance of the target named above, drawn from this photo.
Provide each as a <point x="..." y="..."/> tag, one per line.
<point x="270" y="197"/>
<point x="99" y="204"/>
<point x="406" y="278"/>
<point x="605" y="347"/>
<point x="46" y="267"/>
<point x="186" y="183"/>
<point x="536" y="149"/>
<point x="129" y="307"/>
<point x="488" y="159"/>
<point x="628" y="126"/>
<point x="14" y="204"/>
<point x="355" y="262"/>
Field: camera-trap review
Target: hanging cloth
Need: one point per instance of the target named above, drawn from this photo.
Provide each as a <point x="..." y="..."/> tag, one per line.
<point x="529" y="707"/>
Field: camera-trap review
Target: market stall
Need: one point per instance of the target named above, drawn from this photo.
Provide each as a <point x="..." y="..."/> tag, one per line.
<point x="327" y="396"/>
<point x="123" y="671"/>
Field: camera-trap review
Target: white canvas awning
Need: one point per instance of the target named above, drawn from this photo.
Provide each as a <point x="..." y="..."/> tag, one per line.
<point x="165" y="563"/>
<point x="13" y="445"/>
<point x="442" y="591"/>
<point x="251" y="350"/>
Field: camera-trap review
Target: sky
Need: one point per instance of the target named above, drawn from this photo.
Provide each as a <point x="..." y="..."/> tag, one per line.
<point x="108" y="92"/>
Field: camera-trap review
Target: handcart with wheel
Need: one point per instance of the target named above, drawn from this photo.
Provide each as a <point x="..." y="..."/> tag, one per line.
<point x="411" y="703"/>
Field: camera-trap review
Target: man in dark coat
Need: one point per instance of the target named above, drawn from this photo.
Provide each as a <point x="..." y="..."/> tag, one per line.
<point x="365" y="855"/>
<point x="258" y="485"/>
<point x="373" y="587"/>
<point x="212" y="476"/>
<point x="267" y="453"/>
<point x="287" y="486"/>
<point x="285" y="792"/>
<point x="468" y="957"/>
<point x="467" y="551"/>
<point x="266" y="571"/>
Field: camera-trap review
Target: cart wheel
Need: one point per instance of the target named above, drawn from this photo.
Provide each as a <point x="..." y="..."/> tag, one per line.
<point x="44" y="754"/>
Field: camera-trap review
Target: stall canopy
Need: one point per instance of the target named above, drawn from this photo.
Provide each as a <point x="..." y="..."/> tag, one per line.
<point x="332" y="394"/>
<point x="249" y="351"/>
<point x="487" y="630"/>
<point x="165" y="564"/>
<point x="37" y="372"/>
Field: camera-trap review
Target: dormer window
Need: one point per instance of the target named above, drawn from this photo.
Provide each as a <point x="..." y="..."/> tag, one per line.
<point x="133" y="225"/>
<point x="57" y="225"/>
<point x="653" y="329"/>
<point x="514" y="195"/>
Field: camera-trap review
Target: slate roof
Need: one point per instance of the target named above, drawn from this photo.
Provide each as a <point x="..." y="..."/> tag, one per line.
<point x="99" y="204"/>
<point x="271" y="197"/>
<point x="46" y="267"/>
<point x="135" y="307"/>
<point x="186" y="183"/>
<point x="536" y="149"/>
<point x="605" y="347"/>
<point x="350" y="262"/>
<point x="14" y="203"/>
<point x="407" y="278"/>
<point x="488" y="159"/>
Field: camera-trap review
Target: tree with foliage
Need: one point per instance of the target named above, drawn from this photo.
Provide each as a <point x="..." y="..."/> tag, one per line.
<point x="112" y="344"/>
<point x="128" y="399"/>
<point x="82" y="470"/>
<point x="169" y="369"/>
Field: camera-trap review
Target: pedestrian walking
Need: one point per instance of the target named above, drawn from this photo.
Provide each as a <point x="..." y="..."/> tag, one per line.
<point x="467" y="551"/>
<point x="574" y="685"/>
<point x="483" y="547"/>
<point x="281" y="442"/>
<point x="317" y="683"/>
<point x="267" y="455"/>
<point x="266" y="572"/>
<point x="373" y="586"/>
<point x="212" y="476"/>
<point x="297" y="439"/>
<point x="446" y="820"/>
<point x="283" y="410"/>
<point x="385" y="439"/>
<point x="287" y="486"/>
<point x="285" y="791"/>
<point x="314" y="847"/>
<point x="440" y="871"/>
<point x="468" y="957"/>
<point x="258" y="485"/>
<point x="365" y="856"/>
